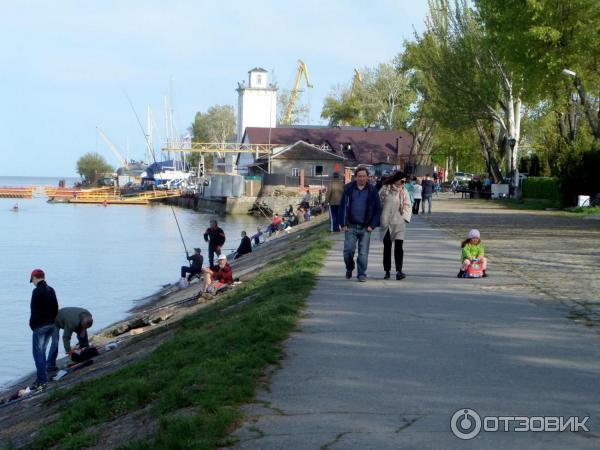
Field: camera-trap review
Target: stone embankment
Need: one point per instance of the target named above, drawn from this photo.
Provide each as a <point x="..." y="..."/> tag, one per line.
<point x="151" y="323"/>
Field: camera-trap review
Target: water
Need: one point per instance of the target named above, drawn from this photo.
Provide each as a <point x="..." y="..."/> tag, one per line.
<point x="99" y="258"/>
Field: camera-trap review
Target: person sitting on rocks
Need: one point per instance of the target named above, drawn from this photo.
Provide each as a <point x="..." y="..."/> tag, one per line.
<point x="196" y="267"/>
<point x="217" y="278"/>
<point x="245" y="246"/>
<point x="257" y="236"/>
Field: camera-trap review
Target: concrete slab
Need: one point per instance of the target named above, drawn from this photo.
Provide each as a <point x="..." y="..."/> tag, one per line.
<point x="385" y="364"/>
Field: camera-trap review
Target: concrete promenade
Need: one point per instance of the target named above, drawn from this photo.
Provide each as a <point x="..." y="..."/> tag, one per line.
<point x="385" y="364"/>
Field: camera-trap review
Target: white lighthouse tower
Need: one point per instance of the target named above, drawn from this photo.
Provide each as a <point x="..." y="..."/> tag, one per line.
<point x="257" y="102"/>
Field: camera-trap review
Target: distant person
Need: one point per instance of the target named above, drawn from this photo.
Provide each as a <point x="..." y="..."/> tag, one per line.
<point x="306" y="200"/>
<point x="396" y="213"/>
<point x="245" y="246"/>
<point x="196" y="267"/>
<point x="256" y="237"/>
<point x="16" y="207"/>
<point x="417" y="195"/>
<point x="359" y="215"/>
<point x="44" y="307"/>
<point x="427" y="194"/>
<point x="218" y="277"/>
<point x="215" y="237"/>
<point x="274" y="226"/>
<point x="74" y="320"/>
<point x="472" y="248"/>
<point x="333" y="198"/>
<point x="300" y="216"/>
<point x="454" y="185"/>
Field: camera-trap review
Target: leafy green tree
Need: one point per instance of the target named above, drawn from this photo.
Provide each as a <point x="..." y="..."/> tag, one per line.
<point x="383" y="98"/>
<point x="92" y="166"/>
<point x="217" y="124"/>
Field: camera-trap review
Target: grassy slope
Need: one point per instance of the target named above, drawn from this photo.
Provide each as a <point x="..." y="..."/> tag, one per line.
<point x="211" y="366"/>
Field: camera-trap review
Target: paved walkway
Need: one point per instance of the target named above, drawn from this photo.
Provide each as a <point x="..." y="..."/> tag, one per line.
<point x="385" y="364"/>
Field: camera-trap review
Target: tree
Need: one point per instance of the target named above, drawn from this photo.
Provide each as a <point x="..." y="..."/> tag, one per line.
<point x="300" y="111"/>
<point x="383" y="98"/>
<point x="217" y="124"/>
<point x="541" y="38"/>
<point x="470" y="86"/>
<point x="92" y="166"/>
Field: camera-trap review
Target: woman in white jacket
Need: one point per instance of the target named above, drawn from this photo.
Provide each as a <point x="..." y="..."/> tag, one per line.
<point x="396" y="213"/>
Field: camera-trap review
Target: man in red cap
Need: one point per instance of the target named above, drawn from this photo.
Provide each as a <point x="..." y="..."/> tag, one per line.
<point x="44" y="308"/>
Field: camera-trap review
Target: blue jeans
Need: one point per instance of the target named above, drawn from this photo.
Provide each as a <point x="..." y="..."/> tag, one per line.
<point x="41" y="337"/>
<point x="333" y="217"/>
<point x="357" y="234"/>
<point x="426" y="198"/>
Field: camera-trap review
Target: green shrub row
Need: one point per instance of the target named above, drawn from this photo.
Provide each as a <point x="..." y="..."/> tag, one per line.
<point x="542" y="188"/>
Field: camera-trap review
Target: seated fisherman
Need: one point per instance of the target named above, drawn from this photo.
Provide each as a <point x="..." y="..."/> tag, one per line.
<point x="218" y="277"/>
<point x="74" y="320"/>
<point x="196" y="267"/>
<point x="257" y="236"/>
<point x="245" y="246"/>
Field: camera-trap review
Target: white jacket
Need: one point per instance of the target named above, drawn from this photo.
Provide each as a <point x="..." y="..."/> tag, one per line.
<point x="417" y="191"/>
<point x="396" y="211"/>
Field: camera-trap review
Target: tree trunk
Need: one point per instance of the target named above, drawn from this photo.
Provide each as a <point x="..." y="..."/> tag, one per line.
<point x="590" y="113"/>
<point x="487" y="149"/>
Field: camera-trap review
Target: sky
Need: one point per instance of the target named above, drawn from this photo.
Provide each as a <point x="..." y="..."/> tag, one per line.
<point x="70" y="66"/>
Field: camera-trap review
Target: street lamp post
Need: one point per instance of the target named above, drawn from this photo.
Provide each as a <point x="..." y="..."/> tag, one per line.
<point x="512" y="142"/>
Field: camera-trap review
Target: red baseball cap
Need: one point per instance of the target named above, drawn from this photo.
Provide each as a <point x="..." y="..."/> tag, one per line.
<point x="38" y="273"/>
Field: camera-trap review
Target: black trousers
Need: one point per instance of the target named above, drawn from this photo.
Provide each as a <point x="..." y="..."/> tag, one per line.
<point x="211" y="255"/>
<point x="192" y="271"/>
<point x="387" y="253"/>
<point x="416" y="204"/>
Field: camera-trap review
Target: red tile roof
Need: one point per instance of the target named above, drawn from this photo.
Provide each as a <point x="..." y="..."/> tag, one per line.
<point x="368" y="146"/>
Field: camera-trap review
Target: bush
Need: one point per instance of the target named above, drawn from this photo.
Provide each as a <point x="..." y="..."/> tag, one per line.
<point x="542" y="188"/>
<point x="580" y="175"/>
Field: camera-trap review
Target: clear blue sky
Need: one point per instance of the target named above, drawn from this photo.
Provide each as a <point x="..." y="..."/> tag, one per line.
<point x="66" y="65"/>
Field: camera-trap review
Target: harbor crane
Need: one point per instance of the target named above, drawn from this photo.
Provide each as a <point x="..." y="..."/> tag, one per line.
<point x="113" y="148"/>
<point x="302" y="70"/>
<point x="356" y="82"/>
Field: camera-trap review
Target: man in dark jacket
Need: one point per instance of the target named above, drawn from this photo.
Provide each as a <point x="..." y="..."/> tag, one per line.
<point x="427" y="194"/>
<point x="359" y="215"/>
<point x="215" y="237"/>
<point x="245" y="246"/>
<point x="44" y="308"/>
<point x="196" y="267"/>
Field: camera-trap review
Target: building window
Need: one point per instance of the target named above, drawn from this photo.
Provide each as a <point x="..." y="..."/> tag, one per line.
<point x="259" y="79"/>
<point x="317" y="171"/>
<point x="295" y="172"/>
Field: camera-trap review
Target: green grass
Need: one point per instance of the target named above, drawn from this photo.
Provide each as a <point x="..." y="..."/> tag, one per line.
<point x="585" y="211"/>
<point x="530" y="204"/>
<point x="210" y="367"/>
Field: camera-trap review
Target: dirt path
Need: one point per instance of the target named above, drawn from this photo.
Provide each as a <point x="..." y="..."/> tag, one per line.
<point x="556" y="252"/>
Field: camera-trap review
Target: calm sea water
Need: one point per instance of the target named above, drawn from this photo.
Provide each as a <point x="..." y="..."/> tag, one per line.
<point x="100" y="258"/>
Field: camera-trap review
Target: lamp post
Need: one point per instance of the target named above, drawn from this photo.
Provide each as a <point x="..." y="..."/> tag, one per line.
<point x="512" y="142"/>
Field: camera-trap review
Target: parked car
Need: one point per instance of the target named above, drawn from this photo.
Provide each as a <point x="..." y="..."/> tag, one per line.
<point x="462" y="176"/>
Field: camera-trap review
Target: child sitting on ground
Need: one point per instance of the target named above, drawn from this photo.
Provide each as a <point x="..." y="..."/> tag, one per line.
<point x="472" y="248"/>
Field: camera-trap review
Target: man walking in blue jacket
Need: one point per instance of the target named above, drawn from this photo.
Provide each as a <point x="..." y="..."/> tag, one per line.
<point x="359" y="215"/>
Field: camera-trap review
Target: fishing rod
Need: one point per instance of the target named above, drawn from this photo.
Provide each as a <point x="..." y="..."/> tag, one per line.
<point x="180" y="234"/>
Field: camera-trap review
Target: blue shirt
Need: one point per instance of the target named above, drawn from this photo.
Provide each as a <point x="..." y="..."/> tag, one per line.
<point x="358" y="208"/>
